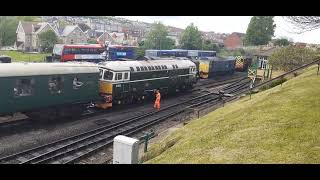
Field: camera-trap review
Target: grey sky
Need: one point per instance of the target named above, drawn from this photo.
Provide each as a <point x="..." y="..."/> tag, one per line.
<point x="229" y="24"/>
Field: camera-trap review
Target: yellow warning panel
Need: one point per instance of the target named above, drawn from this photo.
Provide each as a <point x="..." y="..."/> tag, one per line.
<point x="204" y="69"/>
<point x="105" y="87"/>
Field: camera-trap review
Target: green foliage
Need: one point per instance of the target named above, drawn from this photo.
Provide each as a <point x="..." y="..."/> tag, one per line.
<point x="291" y="57"/>
<point x="92" y="41"/>
<point x="281" y="42"/>
<point x="8" y="27"/>
<point x="226" y="53"/>
<point x="47" y="40"/>
<point x="29" y="18"/>
<point x="273" y="84"/>
<point x="191" y="38"/>
<point x="26" y="57"/>
<point x="140" y="51"/>
<point x="209" y="46"/>
<point x="260" y="30"/>
<point x="157" y="38"/>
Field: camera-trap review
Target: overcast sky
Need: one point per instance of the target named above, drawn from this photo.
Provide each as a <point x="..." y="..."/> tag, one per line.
<point x="229" y="24"/>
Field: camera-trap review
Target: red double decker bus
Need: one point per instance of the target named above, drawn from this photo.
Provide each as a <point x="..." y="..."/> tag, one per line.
<point x="78" y="52"/>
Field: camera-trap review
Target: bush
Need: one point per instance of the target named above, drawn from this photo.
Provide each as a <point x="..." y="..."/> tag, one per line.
<point x="273" y="84"/>
<point x="291" y="57"/>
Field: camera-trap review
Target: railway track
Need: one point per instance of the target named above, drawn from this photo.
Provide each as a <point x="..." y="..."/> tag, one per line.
<point x="71" y="149"/>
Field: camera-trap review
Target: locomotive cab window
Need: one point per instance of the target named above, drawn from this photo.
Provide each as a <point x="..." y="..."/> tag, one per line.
<point x="24" y="87"/>
<point x="55" y="84"/>
<point x="101" y="73"/>
<point x="108" y="75"/>
<point x="118" y="76"/>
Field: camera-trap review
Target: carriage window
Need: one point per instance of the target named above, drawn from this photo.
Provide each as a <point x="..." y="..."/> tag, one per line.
<point x="131" y="68"/>
<point x="166" y="66"/>
<point x="159" y="67"/>
<point x="145" y="68"/>
<point x="24" y="87"/>
<point x="149" y="67"/>
<point x="77" y="83"/>
<point x="119" y="76"/>
<point x="141" y="67"/>
<point x="176" y="66"/>
<point x="173" y="66"/>
<point x="138" y="68"/>
<point x="156" y="67"/>
<point x="162" y="66"/>
<point x="55" y="85"/>
<point x="152" y="67"/>
<point x="108" y="75"/>
<point x="126" y="75"/>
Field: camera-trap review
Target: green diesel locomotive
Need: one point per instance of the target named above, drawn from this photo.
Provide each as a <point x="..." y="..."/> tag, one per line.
<point x="125" y="82"/>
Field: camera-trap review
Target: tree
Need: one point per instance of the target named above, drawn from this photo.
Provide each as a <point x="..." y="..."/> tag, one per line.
<point x="210" y="46"/>
<point x="291" y="57"/>
<point x="47" y="40"/>
<point x="191" y="38"/>
<point x="260" y="30"/>
<point x="92" y="41"/>
<point x="304" y="23"/>
<point x="8" y="27"/>
<point x="157" y="38"/>
<point x="83" y="27"/>
<point x="282" y="42"/>
<point x="29" y="18"/>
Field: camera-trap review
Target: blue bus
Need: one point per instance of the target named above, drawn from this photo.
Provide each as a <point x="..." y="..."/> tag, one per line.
<point x="118" y="51"/>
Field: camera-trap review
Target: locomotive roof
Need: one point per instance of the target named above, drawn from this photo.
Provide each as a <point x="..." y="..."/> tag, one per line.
<point x="31" y="69"/>
<point x="125" y="65"/>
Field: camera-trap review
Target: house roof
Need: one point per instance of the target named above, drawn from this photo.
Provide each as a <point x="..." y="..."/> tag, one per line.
<point x="239" y="34"/>
<point x="30" y="27"/>
<point x="69" y="29"/>
<point x="27" y="27"/>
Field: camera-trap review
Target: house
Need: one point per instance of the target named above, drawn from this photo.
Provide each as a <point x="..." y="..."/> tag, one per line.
<point x="234" y="41"/>
<point x="263" y="54"/>
<point x="72" y="34"/>
<point x="27" y="35"/>
<point x="300" y="44"/>
<point x="113" y="38"/>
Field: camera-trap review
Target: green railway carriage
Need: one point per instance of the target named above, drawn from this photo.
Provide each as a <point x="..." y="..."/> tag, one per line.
<point x="123" y="82"/>
<point x="47" y="89"/>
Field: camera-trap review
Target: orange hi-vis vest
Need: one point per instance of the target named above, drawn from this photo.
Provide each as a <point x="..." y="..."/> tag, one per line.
<point x="158" y="97"/>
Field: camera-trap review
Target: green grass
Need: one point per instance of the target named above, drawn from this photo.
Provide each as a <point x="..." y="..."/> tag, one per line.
<point x="20" y="56"/>
<point x="279" y="125"/>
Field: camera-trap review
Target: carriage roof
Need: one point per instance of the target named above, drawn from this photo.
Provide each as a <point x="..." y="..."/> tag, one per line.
<point x="34" y="69"/>
<point x="125" y="65"/>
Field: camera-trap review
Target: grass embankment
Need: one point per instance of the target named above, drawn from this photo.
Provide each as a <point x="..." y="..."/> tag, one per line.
<point x="26" y="57"/>
<point x="279" y="125"/>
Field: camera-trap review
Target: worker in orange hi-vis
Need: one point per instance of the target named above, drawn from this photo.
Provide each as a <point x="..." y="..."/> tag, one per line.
<point x="157" y="102"/>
